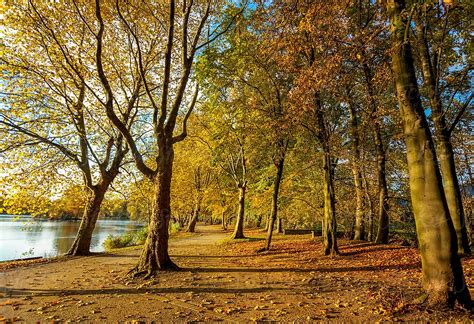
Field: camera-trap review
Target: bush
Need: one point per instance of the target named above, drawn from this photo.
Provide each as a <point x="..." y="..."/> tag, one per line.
<point x="140" y="236"/>
<point x="132" y="239"/>
<point x="116" y="242"/>
<point x="174" y="227"/>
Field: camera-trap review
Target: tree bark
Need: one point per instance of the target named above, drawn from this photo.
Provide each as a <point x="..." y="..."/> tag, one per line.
<point x="443" y="277"/>
<point x="155" y="255"/>
<point x="329" y="220"/>
<point x="383" y="229"/>
<point x="279" y="225"/>
<point x="274" y="212"/>
<point x="444" y="147"/>
<point x="82" y="242"/>
<point x="359" y="226"/>
<point x="194" y="218"/>
<point x="224" y="224"/>
<point x="370" y="210"/>
<point x="239" y="224"/>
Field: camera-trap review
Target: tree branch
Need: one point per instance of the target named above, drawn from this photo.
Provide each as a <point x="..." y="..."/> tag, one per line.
<point x="184" y="132"/>
<point x="460" y="113"/>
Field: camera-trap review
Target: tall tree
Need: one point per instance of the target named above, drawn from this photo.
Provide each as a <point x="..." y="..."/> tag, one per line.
<point x="50" y="104"/>
<point x="443" y="277"/>
<point x="180" y="48"/>
<point x="431" y="57"/>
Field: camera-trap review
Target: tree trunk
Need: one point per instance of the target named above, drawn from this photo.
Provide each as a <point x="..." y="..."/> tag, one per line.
<point x="224" y="224"/>
<point x="443" y="277"/>
<point x="259" y="221"/>
<point x="382" y="230"/>
<point x="274" y="212"/>
<point x="239" y="224"/>
<point x="155" y="255"/>
<point x="82" y="242"/>
<point x="370" y="210"/>
<point x="194" y="218"/>
<point x="444" y="151"/>
<point x="279" y="225"/>
<point x="267" y="220"/>
<point x="329" y="220"/>
<point x="359" y="226"/>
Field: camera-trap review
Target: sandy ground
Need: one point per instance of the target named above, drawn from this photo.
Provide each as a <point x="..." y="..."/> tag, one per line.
<point x="223" y="281"/>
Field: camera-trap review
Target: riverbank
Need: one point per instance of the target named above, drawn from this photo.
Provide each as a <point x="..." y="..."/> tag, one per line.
<point x="26" y="237"/>
<point x="223" y="281"/>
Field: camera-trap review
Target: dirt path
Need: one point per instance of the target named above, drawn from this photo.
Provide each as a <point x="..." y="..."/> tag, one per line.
<point x="227" y="282"/>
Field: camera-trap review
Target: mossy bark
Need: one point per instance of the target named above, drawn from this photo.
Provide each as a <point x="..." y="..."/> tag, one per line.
<point x="444" y="148"/>
<point x="443" y="277"/>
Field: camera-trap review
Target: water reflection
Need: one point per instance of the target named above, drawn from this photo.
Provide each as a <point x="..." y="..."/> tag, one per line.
<point x="23" y="237"/>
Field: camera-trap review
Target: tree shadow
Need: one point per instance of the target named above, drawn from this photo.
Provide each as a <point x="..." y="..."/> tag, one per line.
<point x="405" y="266"/>
<point x="13" y="292"/>
<point x="373" y="248"/>
<point x="197" y="256"/>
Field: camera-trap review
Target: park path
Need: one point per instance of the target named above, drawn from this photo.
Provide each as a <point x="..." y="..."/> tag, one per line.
<point x="220" y="282"/>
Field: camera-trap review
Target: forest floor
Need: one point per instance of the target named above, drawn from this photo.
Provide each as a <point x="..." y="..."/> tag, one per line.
<point x="227" y="281"/>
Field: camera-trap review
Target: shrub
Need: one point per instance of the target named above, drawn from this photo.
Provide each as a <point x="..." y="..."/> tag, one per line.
<point x="140" y="236"/>
<point x="174" y="227"/>
<point x="116" y="242"/>
<point x="132" y="239"/>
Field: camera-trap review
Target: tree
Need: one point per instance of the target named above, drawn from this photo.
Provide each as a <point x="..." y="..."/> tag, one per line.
<point x="433" y="77"/>
<point x="193" y="18"/>
<point x="443" y="277"/>
<point x="49" y="104"/>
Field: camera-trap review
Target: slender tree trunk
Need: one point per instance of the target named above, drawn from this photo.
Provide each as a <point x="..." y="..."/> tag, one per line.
<point x="194" y="218"/>
<point x="239" y="224"/>
<point x="82" y="242"/>
<point x="155" y="255"/>
<point x="359" y="226"/>
<point x="443" y="277"/>
<point x="279" y="225"/>
<point x="224" y="224"/>
<point x="259" y="221"/>
<point x="383" y="229"/>
<point x="444" y="150"/>
<point x="370" y="210"/>
<point x="274" y="212"/>
<point x="267" y="222"/>
<point x="329" y="220"/>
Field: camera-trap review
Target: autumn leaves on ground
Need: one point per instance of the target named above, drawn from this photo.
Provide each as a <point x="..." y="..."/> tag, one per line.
<point x="223" y="280"/>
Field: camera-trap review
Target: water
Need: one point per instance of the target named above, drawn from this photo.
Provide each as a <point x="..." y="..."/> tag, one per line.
<point x="25" y="237"/>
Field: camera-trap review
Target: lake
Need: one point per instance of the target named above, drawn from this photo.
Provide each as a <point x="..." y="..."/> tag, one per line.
<point x="23" y="237"/>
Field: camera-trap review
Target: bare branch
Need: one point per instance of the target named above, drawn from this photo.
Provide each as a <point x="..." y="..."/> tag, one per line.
<point x="184" y="132"/>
